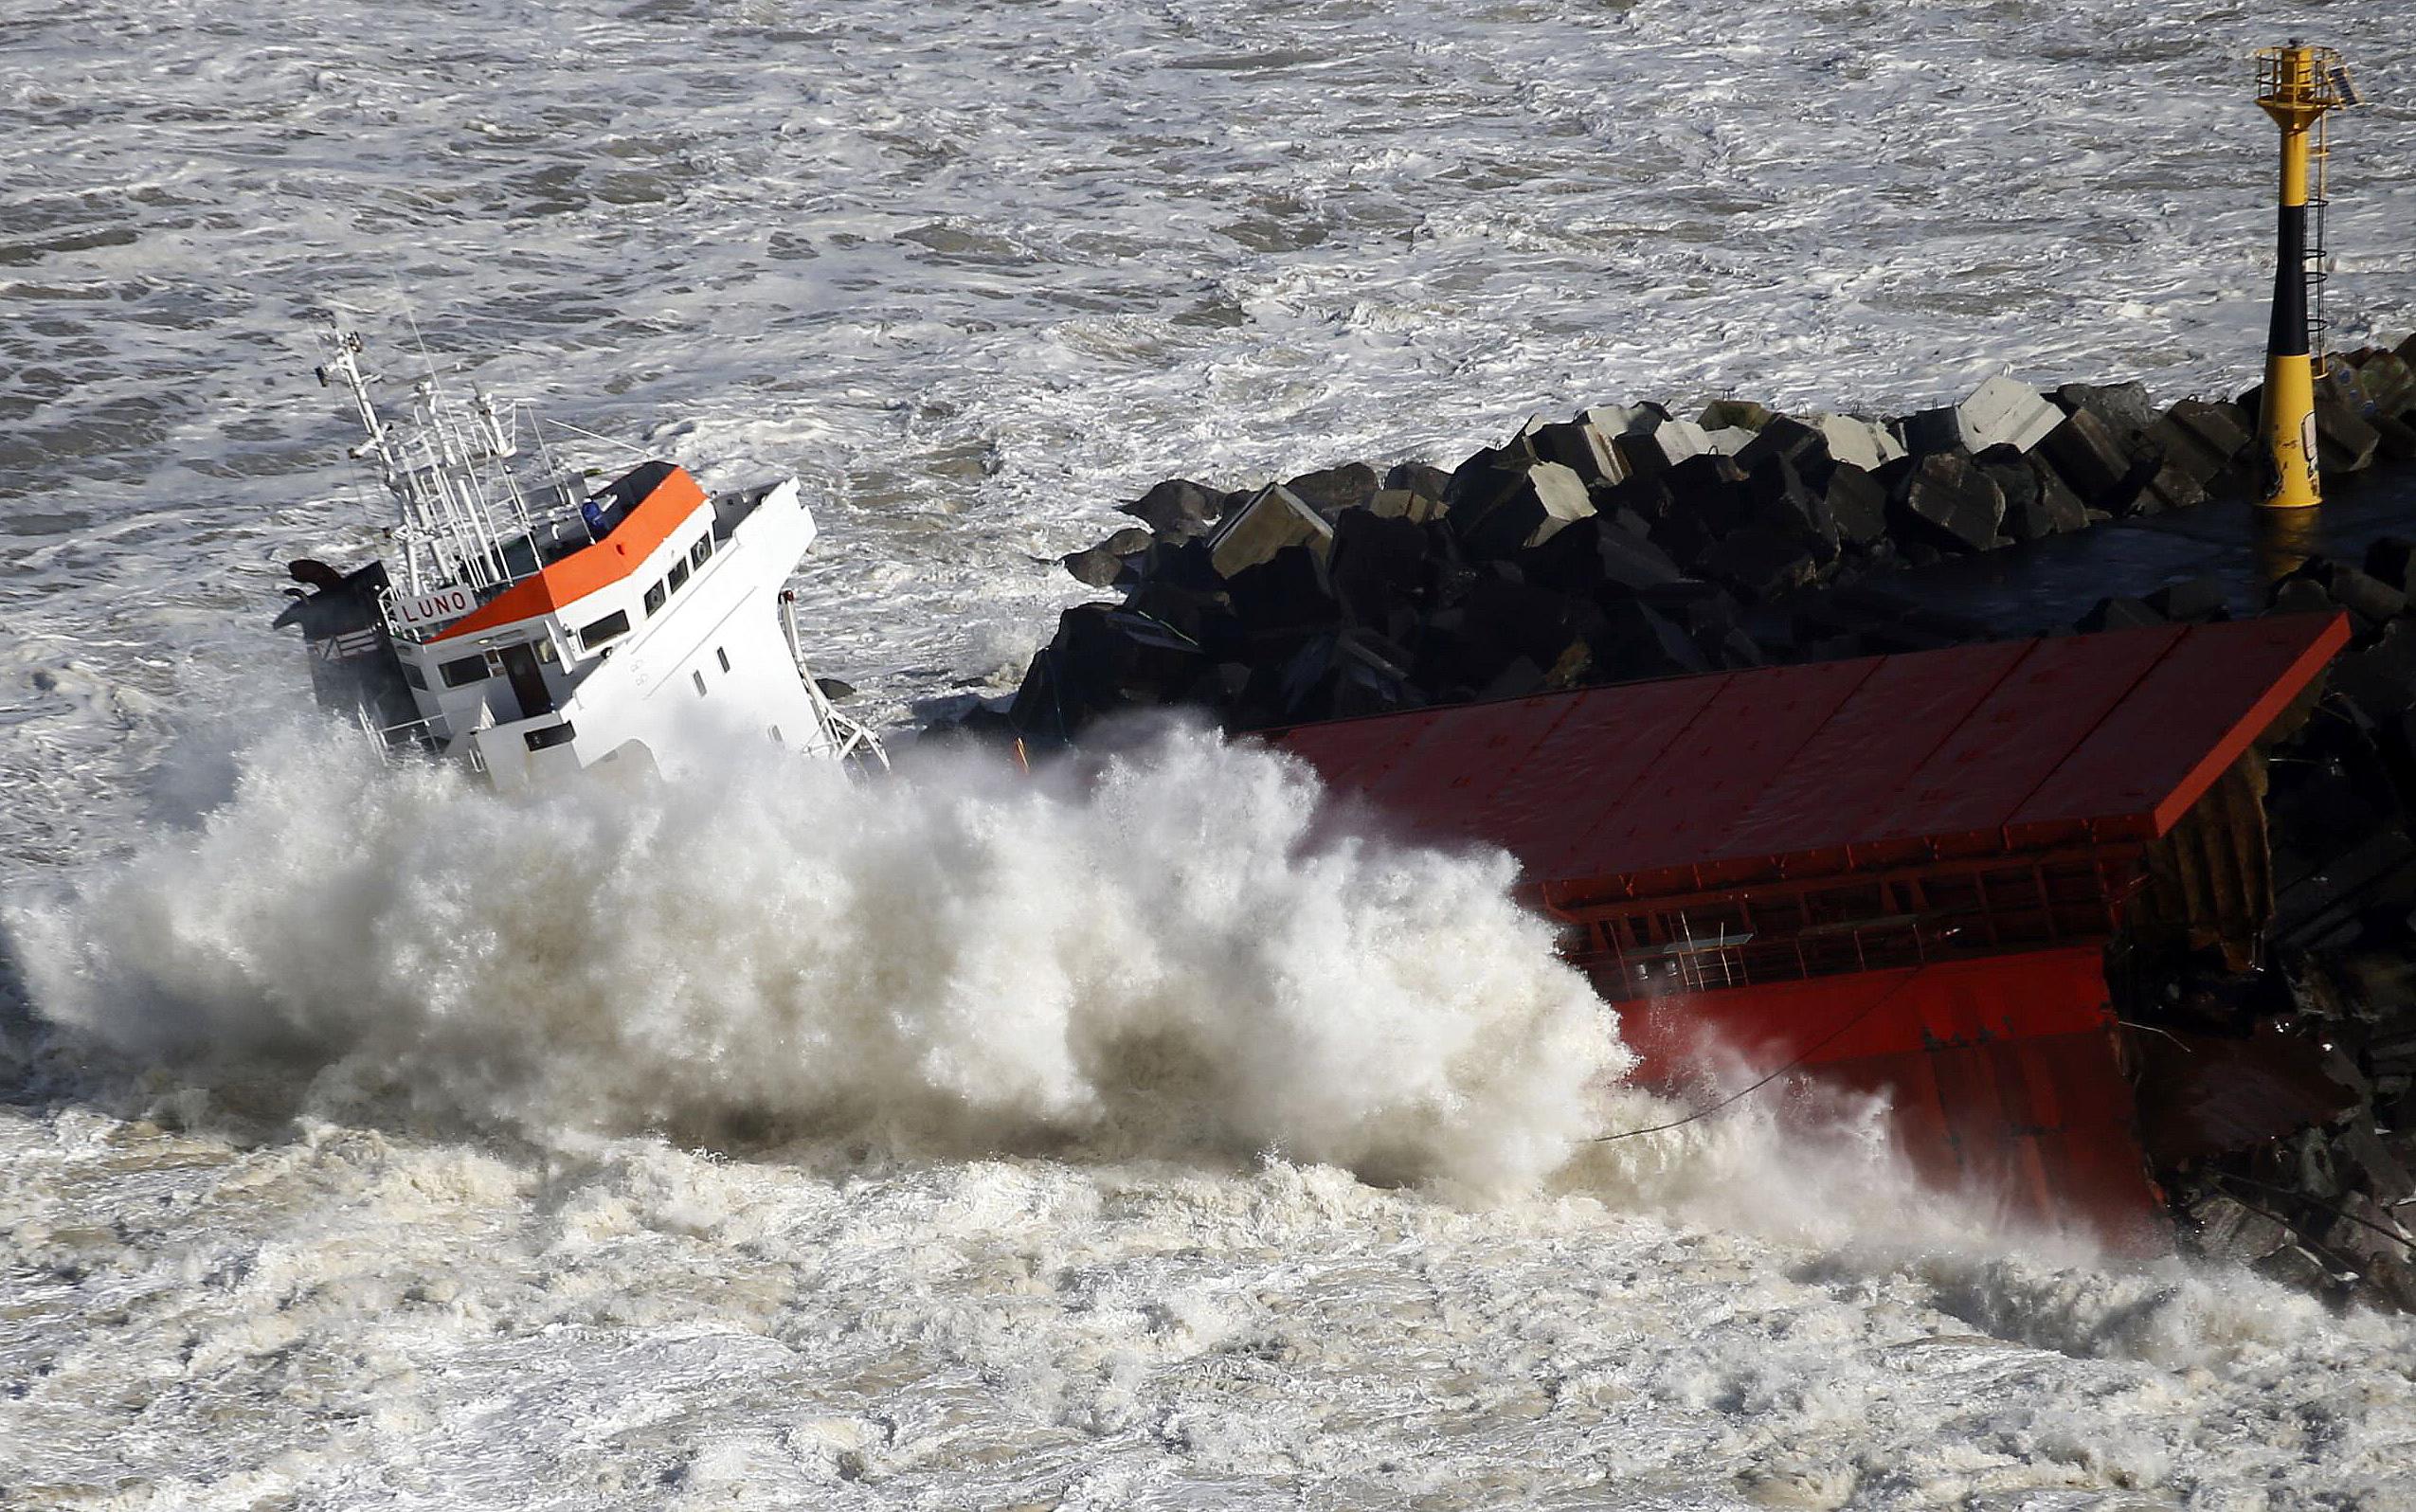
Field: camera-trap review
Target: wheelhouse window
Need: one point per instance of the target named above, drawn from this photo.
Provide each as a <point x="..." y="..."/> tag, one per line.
<point x="655" y="597"/>
<point x="463" y="671"/>
<point x="703" y="549"/>
<point x="700" y="683"/>
<point x="415" y="677"/>
<point x="724" y="656"/>
<point x="679" y="576"/>
<point x="610" y="626"/>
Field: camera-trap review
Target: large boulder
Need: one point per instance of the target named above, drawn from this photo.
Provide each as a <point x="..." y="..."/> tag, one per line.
<point x="1788" y="440"/>
<point x="1858" y="502"/>
<point x="1103" y="658"/>
<point x="1286" y="596"/>
<point x="1179" y="507"/>
<point x="1948" y="502"/>
<point x="1094" y="567"/>
<point x="2125" y="410"/>
<point x="1378" y="563"/>
<point x="1421" y="478"/>
<point x="1760" y="563"/>
<point x="1332" y="490"/>
<point x="1778" y="499"/>
<point x="1734" y="414"/>
<point x="1346" y="673"/>
<point x="1636" y="639"/>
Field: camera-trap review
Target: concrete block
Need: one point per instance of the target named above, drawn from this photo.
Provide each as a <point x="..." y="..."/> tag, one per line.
<point x="2396" y="439"/>
<point x="2062" y="506"/>
<point x="1640" y="642"/>
<point x="1661" y="446"/>
<point x="1288" y="594"/>
<point x="2223" y="430"/>
<point x="1619" y="420"/>
<point x="1728" y="440"/>
<point x="1783" y="437"/>
<point x="2090" y="458"/>
<point x="1419" y="478"/>
<point x="1925" y="431"/>
<point x="2001" y="412"/>
<point x="2185" y="448"/>
<point x="1857" y="441"/>
<point x="1534" y="504"/>
<point x="1781" y="500"/>
<point x="1273" y="519"/>
<point x="1859" y="504"/>
<point x="1401" y="503"/>
<point x="2344" y="443"/>
<point x="2389" y="384"/>
<point x="1633" y="565"/>
<point x="1580" y="446"/>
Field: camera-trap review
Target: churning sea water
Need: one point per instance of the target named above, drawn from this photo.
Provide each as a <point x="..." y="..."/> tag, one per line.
<point x="1156" y="1141"/>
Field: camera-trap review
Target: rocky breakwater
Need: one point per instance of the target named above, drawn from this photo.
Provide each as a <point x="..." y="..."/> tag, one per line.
<point x="1629" y="542"/>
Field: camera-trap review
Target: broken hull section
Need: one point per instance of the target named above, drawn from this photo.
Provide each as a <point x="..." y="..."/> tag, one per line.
<point x="2004" y="1078"/>
<point x="1899" y="875"/>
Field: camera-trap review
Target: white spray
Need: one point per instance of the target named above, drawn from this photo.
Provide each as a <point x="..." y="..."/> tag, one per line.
<point x="1182" y="956"/>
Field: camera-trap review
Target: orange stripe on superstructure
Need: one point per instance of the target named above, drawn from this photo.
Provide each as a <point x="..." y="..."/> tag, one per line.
<point x="591" y="569"/>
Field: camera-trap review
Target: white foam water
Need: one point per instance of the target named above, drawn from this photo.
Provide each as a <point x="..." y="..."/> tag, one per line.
<point x="1177" y="958"/>
<point x="370" y="1142"/>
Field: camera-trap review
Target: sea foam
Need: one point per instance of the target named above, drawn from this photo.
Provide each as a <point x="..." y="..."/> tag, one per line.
<point x="1178" y="951"/>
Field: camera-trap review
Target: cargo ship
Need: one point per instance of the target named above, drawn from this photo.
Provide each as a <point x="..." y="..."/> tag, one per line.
<point x="529" y="626"/>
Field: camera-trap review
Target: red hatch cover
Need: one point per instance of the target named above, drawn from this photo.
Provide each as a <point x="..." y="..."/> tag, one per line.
<point x="1781" y="772"/>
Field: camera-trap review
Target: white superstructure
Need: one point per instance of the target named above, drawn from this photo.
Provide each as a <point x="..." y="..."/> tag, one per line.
<point x="533" y="628"/>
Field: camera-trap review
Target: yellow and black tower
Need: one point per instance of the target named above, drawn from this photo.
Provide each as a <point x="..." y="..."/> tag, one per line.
<point x="2297" y="86"/>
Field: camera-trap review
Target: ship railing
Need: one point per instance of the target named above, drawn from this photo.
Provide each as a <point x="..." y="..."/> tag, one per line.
<point x="427" y="733"/>
<point x="856" y="744"/>
<point x="1729" y="958"/>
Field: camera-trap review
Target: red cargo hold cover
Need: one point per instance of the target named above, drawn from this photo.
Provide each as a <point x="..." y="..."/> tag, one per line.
<point x="1729" y="779"/>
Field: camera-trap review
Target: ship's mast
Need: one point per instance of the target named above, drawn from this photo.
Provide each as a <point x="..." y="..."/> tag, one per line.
<point x="457" y="502"/>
